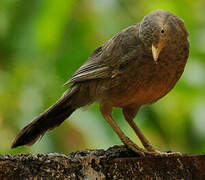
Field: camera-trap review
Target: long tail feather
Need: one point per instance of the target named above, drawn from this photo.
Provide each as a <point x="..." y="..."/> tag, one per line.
<point x="48" y="120"/>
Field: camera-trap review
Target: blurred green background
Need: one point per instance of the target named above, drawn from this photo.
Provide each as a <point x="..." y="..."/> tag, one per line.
<point x="43" y="42"/>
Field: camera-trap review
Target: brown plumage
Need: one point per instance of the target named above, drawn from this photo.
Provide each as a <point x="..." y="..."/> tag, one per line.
<point x="137" y="66"/>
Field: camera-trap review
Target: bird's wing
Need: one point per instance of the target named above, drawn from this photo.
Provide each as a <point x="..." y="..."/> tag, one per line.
<point x="105" y="60"/>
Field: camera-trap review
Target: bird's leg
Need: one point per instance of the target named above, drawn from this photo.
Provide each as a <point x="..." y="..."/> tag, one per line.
<point x="129" y="114"/>
<point x="106" y="111"/>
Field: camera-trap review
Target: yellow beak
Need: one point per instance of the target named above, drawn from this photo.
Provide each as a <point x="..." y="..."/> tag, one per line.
<point x="156" y="49"/>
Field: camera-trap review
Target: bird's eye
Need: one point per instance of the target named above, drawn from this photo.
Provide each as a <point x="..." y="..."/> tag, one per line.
<point x="162" y="31"/>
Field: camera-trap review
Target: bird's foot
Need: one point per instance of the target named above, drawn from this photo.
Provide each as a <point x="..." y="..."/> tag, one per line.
<point x="132" y="146"/>
<point x="142" y="152"/>
<point x="149" y="147"/>
<point x="162" y="154"/>
<point x="148" y="151"/>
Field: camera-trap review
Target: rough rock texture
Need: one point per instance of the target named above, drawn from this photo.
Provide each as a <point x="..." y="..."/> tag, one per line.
<point x="115" y="163"/>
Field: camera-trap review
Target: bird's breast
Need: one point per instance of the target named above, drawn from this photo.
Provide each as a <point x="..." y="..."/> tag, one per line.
<point x="144" y="83"/>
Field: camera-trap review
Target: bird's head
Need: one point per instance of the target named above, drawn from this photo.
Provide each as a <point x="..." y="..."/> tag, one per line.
<point x="160" y="29"/>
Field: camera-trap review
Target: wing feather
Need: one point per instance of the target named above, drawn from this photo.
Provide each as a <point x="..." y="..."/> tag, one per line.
<point x="103" y="61"/>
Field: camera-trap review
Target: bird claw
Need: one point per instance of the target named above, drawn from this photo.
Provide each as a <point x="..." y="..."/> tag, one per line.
<point x="163" y="154"/>
<point x="143" y="152"/>
<point x="155" y="153"/>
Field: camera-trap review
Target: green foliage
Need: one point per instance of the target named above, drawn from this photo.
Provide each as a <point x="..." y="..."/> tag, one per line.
<point x="43" y="42"/>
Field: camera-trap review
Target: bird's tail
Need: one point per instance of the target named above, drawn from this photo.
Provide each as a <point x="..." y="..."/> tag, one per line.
<point x="49" y="119"/>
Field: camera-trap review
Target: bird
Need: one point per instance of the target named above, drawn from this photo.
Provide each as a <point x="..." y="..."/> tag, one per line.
<point x="136" y="67"/>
